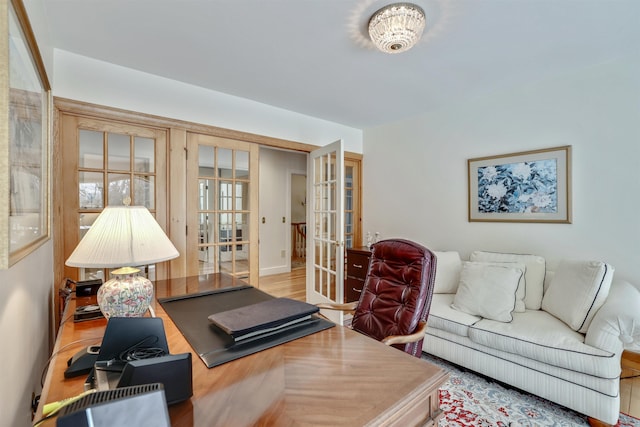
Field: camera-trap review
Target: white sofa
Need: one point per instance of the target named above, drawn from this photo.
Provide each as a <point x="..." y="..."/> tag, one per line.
<point x="557" y="335"/>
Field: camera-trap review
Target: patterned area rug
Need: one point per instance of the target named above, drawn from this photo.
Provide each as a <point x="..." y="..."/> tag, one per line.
<point x="469" y="399"/>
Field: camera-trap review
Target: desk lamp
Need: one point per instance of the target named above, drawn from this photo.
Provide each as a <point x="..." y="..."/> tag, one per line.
<point x="123" y="236"/>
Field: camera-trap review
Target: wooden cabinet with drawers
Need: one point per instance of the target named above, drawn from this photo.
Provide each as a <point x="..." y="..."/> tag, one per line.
<point x="357" y="264"/>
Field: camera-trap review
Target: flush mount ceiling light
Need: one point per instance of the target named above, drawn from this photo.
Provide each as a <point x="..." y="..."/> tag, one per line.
<point x="397" y="27"/>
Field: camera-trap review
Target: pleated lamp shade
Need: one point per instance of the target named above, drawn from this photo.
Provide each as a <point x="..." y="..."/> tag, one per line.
<point x="123" y="236"/>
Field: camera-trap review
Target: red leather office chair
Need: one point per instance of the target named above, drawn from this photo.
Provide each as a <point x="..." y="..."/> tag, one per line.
<point x="396" y="296"/>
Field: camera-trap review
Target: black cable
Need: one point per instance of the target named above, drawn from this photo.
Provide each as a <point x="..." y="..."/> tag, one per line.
<point x="144" y="353"/>
<point x="61" y="349"/>
<point x="43" y="419"/>
<point x="66" y="319"/>
<point x="138" y="352"/>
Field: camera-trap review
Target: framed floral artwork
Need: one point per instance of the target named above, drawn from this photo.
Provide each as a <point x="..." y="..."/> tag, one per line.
<point x="24" y="138"/>
<point x="530" y="186"/>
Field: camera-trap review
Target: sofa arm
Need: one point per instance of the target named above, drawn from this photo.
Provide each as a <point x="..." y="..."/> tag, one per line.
<point x="616" y="326"/>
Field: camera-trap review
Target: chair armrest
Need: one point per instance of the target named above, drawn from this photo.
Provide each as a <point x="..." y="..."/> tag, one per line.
<point x="405" y="339"/>
<point x="616" y="325"/>
<point x="350" y="306"/>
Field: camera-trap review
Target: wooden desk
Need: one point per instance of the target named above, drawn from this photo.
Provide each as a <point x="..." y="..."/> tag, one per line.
<point x="336" y="377"/>
<point x="630" y="383"/>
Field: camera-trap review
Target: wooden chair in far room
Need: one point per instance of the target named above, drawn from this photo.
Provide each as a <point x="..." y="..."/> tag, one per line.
<point x="396" y="296"/>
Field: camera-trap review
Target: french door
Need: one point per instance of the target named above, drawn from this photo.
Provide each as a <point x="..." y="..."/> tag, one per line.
<point x="325" y="236"/>
<point x="104" y="163"/>
<point x="222" y="206"/>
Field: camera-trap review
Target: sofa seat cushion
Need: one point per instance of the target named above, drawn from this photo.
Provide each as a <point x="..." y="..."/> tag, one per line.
<point x="515" y="369"/>
<point x="537" y="335"/>
<point x="442" y="316"/>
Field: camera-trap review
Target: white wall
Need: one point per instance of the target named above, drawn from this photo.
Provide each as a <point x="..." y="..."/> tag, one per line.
<point x="276" y="167"/>
<point x="25" y="319"/>
<point x="415" y="171"/>
<point x="86" y="79"/>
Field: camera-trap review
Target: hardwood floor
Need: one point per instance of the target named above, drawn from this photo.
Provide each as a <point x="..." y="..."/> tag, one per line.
<point x="291" y="285"/>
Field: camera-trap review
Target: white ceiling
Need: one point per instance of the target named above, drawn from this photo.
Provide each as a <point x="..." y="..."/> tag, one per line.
<point x="314" y="56"/>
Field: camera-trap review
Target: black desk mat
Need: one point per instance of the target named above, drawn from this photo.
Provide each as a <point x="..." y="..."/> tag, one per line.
<point x="215" y="347"/>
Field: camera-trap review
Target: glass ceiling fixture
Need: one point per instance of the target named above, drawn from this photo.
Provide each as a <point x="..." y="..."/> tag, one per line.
<point x="397" y="27"/>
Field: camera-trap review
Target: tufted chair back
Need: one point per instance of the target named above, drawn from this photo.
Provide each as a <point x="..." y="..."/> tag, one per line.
<point x="397" y="291"/>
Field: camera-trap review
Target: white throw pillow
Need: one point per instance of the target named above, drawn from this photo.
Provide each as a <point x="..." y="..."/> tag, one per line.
<point x="487" y="290"/>
<point x="448" y="266"/>
<point x="577" y="291"/>
<point x="534" y="274"/>
<point x="521" y="291"/>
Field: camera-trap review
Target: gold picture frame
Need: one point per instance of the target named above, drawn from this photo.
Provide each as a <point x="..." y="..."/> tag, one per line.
<point x="25" y="111"/>
<point x="529" y="186"/>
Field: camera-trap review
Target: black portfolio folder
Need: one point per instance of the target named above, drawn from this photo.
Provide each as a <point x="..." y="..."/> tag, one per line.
<point x="263" y="317"/>
<point x="214" y="346"/>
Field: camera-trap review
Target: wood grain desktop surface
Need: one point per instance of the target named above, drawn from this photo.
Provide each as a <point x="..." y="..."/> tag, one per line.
<point x="335" y="377"/>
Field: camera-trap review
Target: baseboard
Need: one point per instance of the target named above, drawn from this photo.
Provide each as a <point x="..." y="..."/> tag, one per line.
<point x="279" y="269"/>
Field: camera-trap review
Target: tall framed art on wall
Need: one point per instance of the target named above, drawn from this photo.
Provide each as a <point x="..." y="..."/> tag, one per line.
<point x="528" y="186"/>
<point x="24" y="138"/>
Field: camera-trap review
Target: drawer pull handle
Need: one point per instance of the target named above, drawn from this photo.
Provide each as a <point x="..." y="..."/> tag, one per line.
<point x="357" y="265"/>
<point x="357" y="290"/>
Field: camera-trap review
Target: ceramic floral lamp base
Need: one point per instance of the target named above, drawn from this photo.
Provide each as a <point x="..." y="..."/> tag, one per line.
<point x="127" y="294"/>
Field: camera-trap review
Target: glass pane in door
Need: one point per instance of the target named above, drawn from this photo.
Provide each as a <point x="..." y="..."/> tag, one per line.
<point x="144" y="190"/>
<point x="242" y="165"/>
<point x="224" y="163"/>
<point x="119" y="149"/>
<point x="91" y="150"/>
<point x="91" y="194"/>
<point x="144" y="154"/>
<point x="119" y="188"/>
<point x="206" y="161"/>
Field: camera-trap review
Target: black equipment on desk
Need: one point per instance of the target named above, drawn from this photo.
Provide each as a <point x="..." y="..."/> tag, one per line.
<point x="140" y="406"/>
<point x="87" y="312"/>
<point x="174" y="371"/>
<point x="82" y="362"/>
<point x="129" y="334"/>
<point x="134" y="351"/>
<point x="87" y="288"/>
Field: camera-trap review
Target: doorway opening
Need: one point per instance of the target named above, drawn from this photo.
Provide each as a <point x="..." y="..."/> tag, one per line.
<point x="298" y="220"/>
